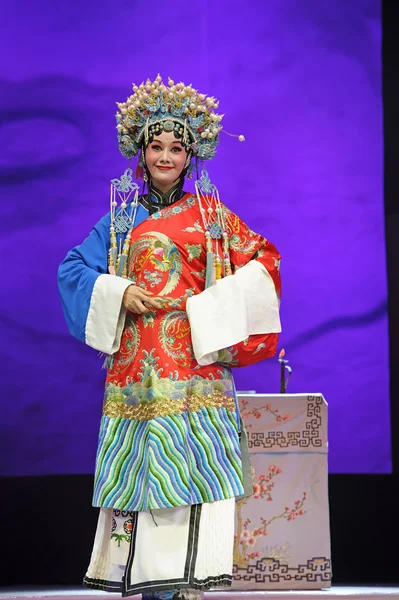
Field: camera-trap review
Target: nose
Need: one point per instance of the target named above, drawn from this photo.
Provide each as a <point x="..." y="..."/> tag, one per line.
<point x="165" y="156"/>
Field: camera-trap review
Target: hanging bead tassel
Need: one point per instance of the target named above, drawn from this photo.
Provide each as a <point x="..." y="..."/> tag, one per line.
<point x="209" y="277"/>
<point x="215" y="231"/>
<point x="226" y="255"/>
<point x="113" y="246"/>
<point x="122" y="264"/>
<point x="210" y="270"/>
<point x="122" y="221"/>
<point x="218" y="267"/>
<point x="113" y="249"/>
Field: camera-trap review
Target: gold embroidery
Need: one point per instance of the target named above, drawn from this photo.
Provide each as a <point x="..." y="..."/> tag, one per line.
<point x="146" y="411"/>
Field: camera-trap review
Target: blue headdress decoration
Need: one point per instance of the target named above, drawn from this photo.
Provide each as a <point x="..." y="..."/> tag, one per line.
<point x="155" y="107"/>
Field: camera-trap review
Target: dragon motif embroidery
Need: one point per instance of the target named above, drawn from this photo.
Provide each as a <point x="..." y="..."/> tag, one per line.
<point x="129" y="346"/>
<point x="162" y="252"/>
<point x="175" y="339"/>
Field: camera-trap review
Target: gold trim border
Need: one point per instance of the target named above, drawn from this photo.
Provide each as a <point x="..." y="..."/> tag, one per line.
<point x="145" y="411"/>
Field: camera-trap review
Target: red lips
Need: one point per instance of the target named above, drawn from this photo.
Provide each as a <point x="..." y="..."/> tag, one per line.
<point x="164" y="168"/>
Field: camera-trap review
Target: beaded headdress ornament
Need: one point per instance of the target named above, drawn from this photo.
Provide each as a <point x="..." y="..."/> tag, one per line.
<point x="155" y="107"/>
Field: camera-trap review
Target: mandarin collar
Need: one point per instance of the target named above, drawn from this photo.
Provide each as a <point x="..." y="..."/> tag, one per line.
<point x="156" y="200"/>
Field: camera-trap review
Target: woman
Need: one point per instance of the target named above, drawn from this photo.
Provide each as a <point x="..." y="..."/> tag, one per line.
<point x="176" y="290"/>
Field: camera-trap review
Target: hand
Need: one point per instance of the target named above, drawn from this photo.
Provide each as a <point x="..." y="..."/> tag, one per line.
<point x="139" y="301"/>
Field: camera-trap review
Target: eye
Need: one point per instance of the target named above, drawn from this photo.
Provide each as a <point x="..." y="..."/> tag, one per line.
<point x="155" y="147"/>
<point x="177" y="149"/>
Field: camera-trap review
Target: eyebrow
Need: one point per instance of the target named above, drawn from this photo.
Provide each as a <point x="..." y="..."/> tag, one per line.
<point x="160" y="142"/>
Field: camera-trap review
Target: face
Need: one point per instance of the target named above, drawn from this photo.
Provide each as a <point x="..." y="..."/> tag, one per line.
<point x="165" y="157"/>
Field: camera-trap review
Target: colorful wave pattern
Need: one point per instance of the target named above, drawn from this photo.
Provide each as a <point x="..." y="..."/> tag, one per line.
<point x="170" y="461"/>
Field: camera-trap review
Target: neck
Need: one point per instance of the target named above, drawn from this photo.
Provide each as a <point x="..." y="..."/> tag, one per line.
<point x="164" y="190"/>
<point x="156" y="199"/>
<point x="164" y="196"/>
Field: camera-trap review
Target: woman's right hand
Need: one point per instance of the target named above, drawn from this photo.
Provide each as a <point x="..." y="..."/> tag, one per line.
<point x="139" y="301"/>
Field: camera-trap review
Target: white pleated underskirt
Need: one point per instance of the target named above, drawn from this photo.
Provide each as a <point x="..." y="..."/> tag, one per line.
<point x="189" y="547"/>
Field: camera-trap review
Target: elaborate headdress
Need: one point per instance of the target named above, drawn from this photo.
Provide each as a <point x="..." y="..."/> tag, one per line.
<point x="155" y="107"/>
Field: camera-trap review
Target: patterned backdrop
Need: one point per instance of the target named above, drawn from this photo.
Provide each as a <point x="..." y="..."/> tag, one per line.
<point x="302" y="81"/>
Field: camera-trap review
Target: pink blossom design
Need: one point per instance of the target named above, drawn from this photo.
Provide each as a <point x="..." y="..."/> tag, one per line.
<point x="247" y="412"/>
<point x="256" y="490"/>
<point x="250" y="537"/>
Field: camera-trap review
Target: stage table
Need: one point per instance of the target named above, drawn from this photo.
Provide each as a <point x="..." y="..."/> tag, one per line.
<point x="282" y="533"/>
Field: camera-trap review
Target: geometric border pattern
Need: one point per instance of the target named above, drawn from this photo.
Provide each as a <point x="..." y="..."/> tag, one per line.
<point x="270" y="570"/>
<point x="307" y="438"/>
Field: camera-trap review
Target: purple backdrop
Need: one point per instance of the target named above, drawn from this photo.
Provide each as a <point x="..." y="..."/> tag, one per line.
<point x="302" y="81"/>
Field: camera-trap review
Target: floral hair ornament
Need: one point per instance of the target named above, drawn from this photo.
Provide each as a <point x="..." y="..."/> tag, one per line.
<point x="155" y="107"/>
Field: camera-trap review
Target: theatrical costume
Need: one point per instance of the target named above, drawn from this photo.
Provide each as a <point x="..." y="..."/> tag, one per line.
<point x="172" y="455"/>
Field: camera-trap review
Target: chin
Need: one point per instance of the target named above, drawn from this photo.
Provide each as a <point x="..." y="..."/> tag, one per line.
<point x="165" y="179"/>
